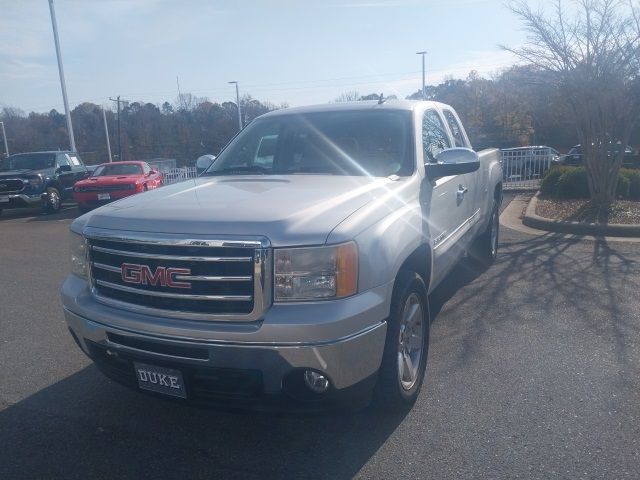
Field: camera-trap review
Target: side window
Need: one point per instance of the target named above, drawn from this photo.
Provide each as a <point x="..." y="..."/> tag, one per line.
<point x="434" y="136"/>
<point x="455" y="129"/>
<point x="146" y="168"/>
<point x="266" y="151"/>
<point x="62" y="160"/>
<point x="74" y="160"/>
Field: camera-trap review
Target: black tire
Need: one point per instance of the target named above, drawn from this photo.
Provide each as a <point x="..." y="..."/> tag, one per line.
<point x="392" y="393"/>
<point x="53" y="201"/>
<point x="485" y="248"/>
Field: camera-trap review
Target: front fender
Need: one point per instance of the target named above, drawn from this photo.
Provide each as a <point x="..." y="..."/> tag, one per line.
<point x="385" y="246"/>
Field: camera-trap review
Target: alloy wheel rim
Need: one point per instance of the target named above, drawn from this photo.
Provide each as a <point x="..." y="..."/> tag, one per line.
<point x="410" y="342"/>
<point x="55" y="201"/>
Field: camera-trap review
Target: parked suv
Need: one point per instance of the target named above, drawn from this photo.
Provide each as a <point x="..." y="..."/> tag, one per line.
<point x="575" y="156"/>
<point x="39" y="178"/>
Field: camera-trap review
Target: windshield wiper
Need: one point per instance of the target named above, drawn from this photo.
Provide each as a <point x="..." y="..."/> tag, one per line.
<point x="240" y="169"/>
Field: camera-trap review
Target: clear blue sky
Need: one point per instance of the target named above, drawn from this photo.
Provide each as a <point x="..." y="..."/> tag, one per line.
<point x="299" y="52"/>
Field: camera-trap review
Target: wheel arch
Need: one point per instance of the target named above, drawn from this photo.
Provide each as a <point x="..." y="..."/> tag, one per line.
<point x="419" y="261"/>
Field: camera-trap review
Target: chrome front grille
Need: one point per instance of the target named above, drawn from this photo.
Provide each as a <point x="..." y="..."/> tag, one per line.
<point x="11" y="185"/>
<point x="198" y="278"/>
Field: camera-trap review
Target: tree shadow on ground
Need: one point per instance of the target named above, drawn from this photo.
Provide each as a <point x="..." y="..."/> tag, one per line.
<point x="68" y="212"/>
<point x="88" y="427"/>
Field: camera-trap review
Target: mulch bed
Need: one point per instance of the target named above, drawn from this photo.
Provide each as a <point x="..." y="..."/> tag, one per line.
<point x="625" y="212"/>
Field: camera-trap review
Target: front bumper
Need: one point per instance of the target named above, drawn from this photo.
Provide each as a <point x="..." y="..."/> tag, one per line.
<point x="262" y="359"/>
<point x="90" y="199"/>
<point x="20" y="200"/>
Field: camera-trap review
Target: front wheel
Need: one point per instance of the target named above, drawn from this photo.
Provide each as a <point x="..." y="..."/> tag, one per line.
<point x="404" y="359"/>
<point x="53" y="202"/>
<point x="485" y="247"/>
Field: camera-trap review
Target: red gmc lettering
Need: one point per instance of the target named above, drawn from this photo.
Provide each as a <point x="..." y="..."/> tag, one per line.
<point x="163" y="276"/>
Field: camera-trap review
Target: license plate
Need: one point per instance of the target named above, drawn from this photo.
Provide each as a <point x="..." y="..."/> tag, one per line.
<point x="4" y="199"/>
<point x="104" y="196"/>
<point x="160" y="380"/>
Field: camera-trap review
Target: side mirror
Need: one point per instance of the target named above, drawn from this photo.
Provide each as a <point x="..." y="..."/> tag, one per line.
<point x="64" y="168"/>
<point x="204" y="162"/>
<point x="453" y="161"/>
<point x="151" y="172"/>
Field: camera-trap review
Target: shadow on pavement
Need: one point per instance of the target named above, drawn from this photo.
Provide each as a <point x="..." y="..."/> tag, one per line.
<point x="88" y="427"/>
<point x="68" y="212"/>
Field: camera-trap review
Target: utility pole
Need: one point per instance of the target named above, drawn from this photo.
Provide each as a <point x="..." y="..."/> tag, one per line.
<point x="4" y="135"/>
<point x="106" y="132"/>
<point x="238" y="103"/>
<point x="72" y="141"/>
<point x="424" y="85"/>
<point x="117" y="100"/>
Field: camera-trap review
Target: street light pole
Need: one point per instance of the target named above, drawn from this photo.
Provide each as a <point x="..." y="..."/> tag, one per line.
<point x="117" y="100"/>
<point x="106" y="132"/>
<point x="238" y="103"/>
<point x="424" y="85"/>
<point x="4" y="135"/>
<point x="72" y="141"/>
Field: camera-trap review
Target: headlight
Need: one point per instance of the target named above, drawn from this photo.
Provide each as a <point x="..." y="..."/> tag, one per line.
<point x="316" y="273"/>
<point x="78" y="255"/>
<point x="35" y="183"/>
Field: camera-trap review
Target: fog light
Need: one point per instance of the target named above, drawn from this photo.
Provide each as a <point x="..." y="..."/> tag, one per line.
<point x="316" y="382"/>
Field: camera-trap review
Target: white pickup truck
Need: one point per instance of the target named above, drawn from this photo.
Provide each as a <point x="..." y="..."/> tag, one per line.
<point x="296" y="268"/>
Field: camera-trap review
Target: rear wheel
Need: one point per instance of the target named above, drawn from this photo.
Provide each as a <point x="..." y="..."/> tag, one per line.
<point x="485" y="247"/>
<point x="404" y="359"/>
<point x="53" y="202"/>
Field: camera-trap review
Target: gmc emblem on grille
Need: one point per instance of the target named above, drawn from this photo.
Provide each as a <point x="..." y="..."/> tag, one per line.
<point x="163" y="276"/>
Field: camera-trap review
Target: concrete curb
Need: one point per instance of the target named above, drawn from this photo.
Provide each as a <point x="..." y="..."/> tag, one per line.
<point x="531" y="219"/>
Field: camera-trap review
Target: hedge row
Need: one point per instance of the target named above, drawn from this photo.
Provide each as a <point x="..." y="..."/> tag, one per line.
<point x="571" y="182"/>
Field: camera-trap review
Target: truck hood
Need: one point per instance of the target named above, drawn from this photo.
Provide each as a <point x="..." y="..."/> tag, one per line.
<point x="289" y="210"/>
<point x="23" y="173"/>
<point x="110" y="180"/>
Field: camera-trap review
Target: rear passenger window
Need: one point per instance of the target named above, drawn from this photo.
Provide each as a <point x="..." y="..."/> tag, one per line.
<point x="434" y="136"/>
<point x="455" y="129"/>
<point x="74" y="160"/>
<point x="62" y="160"/>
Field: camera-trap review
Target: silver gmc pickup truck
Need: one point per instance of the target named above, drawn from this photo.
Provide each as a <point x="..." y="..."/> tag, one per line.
<point x="297" y="268"/>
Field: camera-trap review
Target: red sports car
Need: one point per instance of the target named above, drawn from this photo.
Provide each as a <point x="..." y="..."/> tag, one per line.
<point x="113" y="181"/>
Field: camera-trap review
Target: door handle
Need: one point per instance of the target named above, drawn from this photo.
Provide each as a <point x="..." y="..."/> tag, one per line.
<point x="461" y="191"/>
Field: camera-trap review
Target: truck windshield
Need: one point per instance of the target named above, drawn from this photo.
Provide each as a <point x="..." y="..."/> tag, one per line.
<point x="28" y="161"/>
<point x="375" y="143"/>
<point x="115" y="169"/>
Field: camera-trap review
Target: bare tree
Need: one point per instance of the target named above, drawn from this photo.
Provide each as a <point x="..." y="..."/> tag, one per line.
<point x="352" y="96"/>
<point x="591" y="51"/>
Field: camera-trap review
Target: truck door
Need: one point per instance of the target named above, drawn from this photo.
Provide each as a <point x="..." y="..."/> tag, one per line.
<point x="475" y="183"/>
<point x="66" y="176"/>
<point x="444" y="207"/>
<point x="77" y="167"/>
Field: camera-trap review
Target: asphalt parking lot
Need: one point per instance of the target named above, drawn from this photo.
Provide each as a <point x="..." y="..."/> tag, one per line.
<point x="534" y="369"/>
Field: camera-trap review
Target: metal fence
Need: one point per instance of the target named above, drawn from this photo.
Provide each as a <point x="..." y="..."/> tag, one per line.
<point x="524" y="167"/>
<point x="174" y="175"/>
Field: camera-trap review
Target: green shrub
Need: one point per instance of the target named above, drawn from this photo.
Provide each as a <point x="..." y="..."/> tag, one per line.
<point x="549" y="182"/>
<point x="573" y="184"/>
<point x="634" y="182"/>
<point x="622" y="190"/>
